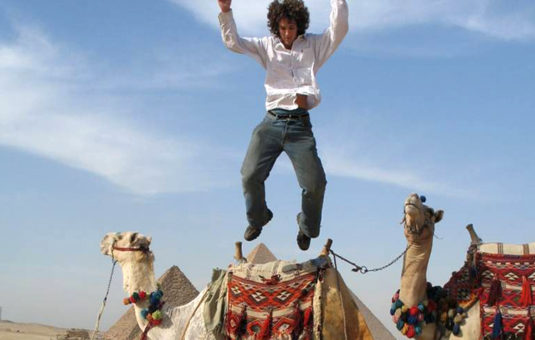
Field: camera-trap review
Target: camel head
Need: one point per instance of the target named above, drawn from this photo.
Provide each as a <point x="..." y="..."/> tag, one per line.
<point x="419" y="219"/>
<point x="126" y="246"/>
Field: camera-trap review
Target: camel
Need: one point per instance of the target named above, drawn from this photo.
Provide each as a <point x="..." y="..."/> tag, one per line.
<point x="131" y="250"/>
<point x="419" y="226"/>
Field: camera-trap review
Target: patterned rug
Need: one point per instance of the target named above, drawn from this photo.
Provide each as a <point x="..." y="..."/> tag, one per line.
<point x="506" y="282"/>
<point x="270" y="306"/>
<point x="504" y="286"/>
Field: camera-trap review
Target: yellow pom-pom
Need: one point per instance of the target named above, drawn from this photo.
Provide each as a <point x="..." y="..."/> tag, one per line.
<point x="405" y="329"/>
<point x="404" y="308"/>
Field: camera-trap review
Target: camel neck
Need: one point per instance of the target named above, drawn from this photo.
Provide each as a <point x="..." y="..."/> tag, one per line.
<point x="414" y="275"/>
<point x="138" y="276"/>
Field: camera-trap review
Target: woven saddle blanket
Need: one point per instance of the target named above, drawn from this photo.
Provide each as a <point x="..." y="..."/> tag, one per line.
<point x="273" y="300"/>
<point x="503" y="284"/>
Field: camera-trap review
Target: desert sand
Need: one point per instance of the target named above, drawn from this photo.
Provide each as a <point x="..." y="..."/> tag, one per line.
<point x="29" y="331"/>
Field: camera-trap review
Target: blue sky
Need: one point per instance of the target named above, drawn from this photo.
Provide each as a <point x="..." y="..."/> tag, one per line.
<point x="131" y="115"/>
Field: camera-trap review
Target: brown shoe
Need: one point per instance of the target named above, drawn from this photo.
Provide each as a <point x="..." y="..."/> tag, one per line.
<point x="303" y="241"/>
<point x="251" y="233"/>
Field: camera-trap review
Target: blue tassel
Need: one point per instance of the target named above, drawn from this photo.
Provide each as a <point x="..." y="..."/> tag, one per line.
<point x="497" y="329"/>
<point x="456" y="329"/>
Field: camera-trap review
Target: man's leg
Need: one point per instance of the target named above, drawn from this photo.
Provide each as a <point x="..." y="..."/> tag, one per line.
<point x="264" y="148"/>
<point x="300" y="146"/>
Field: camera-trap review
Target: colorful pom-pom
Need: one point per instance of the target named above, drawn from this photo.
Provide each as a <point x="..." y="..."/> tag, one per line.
<point x="157" y="315"/>
<point x="144" y="313"/>
<point x="142" y="295"/>
<point x="410" y="332"/>
<point x="400" y="324"/>
<point x="126" y="301"/>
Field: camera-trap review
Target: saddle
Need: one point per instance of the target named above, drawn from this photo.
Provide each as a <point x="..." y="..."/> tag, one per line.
<point x="273" y="300"/>
<point x="503" y="283"/>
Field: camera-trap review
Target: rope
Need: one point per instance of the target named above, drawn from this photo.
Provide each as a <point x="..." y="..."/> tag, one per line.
<point x="97" y="325"/>
<point x="364" y="269"/>
<point x="340" y="296"/>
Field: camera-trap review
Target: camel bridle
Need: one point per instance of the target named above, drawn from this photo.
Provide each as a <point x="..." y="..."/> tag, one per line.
<point x="142" y="249"/>
<point x="415" y="230"/>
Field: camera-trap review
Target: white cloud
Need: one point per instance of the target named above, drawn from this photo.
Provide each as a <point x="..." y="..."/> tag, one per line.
<point x="43" y="112"/>
<point x="491" y="18"/>
<point x="339" y="164"/>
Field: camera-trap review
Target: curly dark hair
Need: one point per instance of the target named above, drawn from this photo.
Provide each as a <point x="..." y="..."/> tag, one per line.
<point x="290" y="9"/>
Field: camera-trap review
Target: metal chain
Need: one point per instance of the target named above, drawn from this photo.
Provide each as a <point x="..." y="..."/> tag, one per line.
<point x="364" y="269"/>
<point x="97" y="326"/>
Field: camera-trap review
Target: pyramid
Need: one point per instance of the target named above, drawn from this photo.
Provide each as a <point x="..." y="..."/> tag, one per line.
<point x="260" y="255"/>
<point x="375" y="326"/>
<point x="178" y="290"/>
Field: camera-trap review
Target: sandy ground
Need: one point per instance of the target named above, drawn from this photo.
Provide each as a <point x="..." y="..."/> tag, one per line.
<point x="27" y="331"/>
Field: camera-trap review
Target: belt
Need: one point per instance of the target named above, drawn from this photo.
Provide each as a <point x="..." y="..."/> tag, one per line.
<point x="288" y="116"/>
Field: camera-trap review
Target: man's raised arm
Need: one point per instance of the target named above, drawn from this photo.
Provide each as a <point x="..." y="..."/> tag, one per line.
<point x="253" y="47"/>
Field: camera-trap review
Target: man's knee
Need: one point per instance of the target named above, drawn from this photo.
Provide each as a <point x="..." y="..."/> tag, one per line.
<point x="250" y="178"/>
<point x="316" y="189"/>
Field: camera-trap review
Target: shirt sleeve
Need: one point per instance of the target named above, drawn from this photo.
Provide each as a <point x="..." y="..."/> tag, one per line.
<point x="328" y="42"/>
<point x="253" y="47"/>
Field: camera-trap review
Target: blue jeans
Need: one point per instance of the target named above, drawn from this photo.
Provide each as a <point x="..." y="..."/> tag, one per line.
<point x="269" y="139"/>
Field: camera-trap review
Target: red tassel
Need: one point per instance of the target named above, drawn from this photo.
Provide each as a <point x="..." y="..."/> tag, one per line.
<point x="495" y="292"/>
<point x="529" y="328"/>
<point x="525" y="297"/>
<point x="306" y="323"/>
<point x="297" y="321"/>
<point x="264" y="333"/>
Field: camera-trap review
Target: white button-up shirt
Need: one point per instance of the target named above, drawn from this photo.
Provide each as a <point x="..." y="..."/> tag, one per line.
<point x="290" y="72"/>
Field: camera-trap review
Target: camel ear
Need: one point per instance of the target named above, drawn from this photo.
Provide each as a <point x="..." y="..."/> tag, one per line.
<point x="107" y="243"/>
<point x="438" y="215"/>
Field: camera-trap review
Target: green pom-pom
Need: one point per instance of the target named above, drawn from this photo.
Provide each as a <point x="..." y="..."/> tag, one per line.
<point x="157" y="315"/>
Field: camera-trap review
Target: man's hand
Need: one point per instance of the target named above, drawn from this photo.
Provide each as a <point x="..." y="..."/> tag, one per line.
<point x="301" y="101"/>
<point x="224" y="5"/>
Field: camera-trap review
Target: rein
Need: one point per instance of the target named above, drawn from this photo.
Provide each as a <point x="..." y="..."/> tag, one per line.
<point x="364" y="269"/>
<point x="97" y="325"/>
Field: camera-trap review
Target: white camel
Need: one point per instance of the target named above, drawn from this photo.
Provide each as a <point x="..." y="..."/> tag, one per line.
<point x="419" y="227"/>
<point x="186" y="322"/>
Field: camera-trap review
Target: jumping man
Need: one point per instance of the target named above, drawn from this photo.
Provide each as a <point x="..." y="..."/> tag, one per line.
<point x="292" y="59"/>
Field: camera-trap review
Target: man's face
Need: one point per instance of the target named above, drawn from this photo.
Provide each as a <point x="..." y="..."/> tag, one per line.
<point x="287" y="32"/>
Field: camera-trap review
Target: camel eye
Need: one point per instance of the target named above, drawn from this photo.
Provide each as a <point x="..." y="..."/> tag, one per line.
<point x="133" y="237"/>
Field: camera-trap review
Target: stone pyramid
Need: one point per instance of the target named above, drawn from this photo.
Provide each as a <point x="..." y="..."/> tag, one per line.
<point x="376" y="327"/>
<point x="261" y="254"/>
<point x="178" y="290"/>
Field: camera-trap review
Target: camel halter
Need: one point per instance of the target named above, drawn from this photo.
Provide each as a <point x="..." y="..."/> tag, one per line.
<point x="114" y="262"/>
